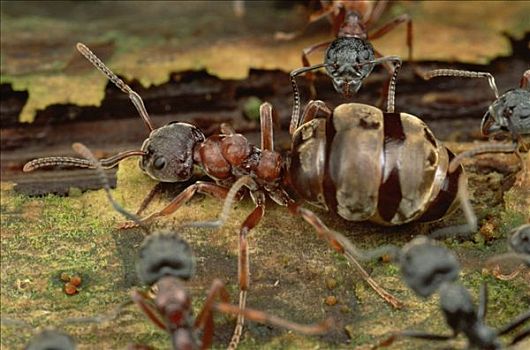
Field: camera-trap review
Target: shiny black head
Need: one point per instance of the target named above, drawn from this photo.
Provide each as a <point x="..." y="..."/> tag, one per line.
<point x="165" y="254"/>
<point x="51" y="340"/>
<point x="169" y="152"/>
<point x="520" y="239"/>
<point x="425" y="266"/>
<point x="509" y="113"/>
<point x="343" y="59"/>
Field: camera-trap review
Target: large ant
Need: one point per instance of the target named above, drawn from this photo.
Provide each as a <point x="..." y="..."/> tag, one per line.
<point x="350" y="58"/>
<point x="428" y="268"/>
<point x="354" y="161"/>
<point x="165" y="263"/>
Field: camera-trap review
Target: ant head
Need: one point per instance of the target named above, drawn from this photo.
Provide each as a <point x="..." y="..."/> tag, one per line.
<point x="425" y="266"/>
<point x="173" y="301"/>
<point x="164" y="254"/>
<point x="169" y="152"/>
<point x="51" y="339"/>
<point x="509" y="113"/>
<point x="520" y="239"/>
<point x="344" y="59"/>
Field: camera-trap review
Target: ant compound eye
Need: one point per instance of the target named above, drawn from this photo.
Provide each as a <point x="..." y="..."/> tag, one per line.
<point x="159" y="163"/>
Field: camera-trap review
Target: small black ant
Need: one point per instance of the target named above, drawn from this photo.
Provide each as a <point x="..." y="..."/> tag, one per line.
<point x="350" y="58"/>
<point x="509" y="113"/>
<point x="166" y="262"/>
<point x="429" y="268"/>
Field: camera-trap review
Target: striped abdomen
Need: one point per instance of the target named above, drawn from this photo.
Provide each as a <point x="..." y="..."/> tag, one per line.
<point x="366" y="165"/>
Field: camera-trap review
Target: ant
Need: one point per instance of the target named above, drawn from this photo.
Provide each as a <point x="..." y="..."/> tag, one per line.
<point x="165" y="263"/>
<point x="428" y="268"/>
<point x="509" y="113"/>
<point x="350" y="58"/>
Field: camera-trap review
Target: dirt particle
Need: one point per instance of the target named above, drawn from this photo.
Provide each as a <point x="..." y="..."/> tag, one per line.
<point x="331" y="300"/>
<point x="65" y="277"/>
<point x="70" y="289"/>
<point x="331" y="283"/>
<point x="75" y="280"/>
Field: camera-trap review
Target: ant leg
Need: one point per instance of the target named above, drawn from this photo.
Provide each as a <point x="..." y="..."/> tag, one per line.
<point x="310" y="112"/>
<point x="471" y="219"/>
<point x="265" y="318"/>
<point x="227" y="129"/>
<point x="340" y="244"/>
<point x="520" y="336"/>
<point x="145" y="305"/>
<point x="149" y="198"/>
<point x="267" y="137"/>
<point x="324" y="11"/>
<point x="205" y="317"/>
<point x="305" y="61"/>
<point x="377" y="11"/>
<point x="184" y="196"/>
<point x="483" y="302"/>
<point x="404" y="18"/>
<point x="243" y="267"/>
<point x="519" y="320"/>
<point x="525" y="80"/>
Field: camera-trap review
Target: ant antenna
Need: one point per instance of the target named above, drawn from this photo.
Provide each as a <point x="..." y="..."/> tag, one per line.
<point x="391" y="95"/>
<point x="295" y="115"/>
<point x="86" y="153"/>
<point x="106" y="163"/>
<point x="135" y="98"/>
<point x="464" y="74"/>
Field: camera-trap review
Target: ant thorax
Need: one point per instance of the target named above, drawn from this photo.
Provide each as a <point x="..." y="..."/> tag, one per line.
<point x="225" y="158"/>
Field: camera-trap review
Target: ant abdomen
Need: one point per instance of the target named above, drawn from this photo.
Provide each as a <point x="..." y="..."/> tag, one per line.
<point x="368" y="165"/>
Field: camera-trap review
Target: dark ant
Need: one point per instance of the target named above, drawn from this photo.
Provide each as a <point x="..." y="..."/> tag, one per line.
<point x="165" y="263"/>
<point x="377" y="181"/>
<point x="429" y="268"/>
<point x="350" y="58"/>
<point x="509" y="113"/>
